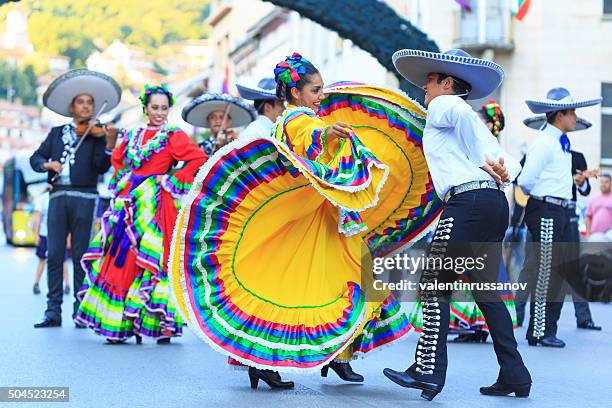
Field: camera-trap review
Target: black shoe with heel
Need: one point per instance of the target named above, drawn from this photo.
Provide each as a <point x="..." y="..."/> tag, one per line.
<point x="272" y="378"/>
<point x="138" y="338"/>
<point x="165" y="340"/>
<point x="477" y="337"/>
<point x="343" y="370"/>
<point x="500" y="390"/>
<point x="403" y="378"/>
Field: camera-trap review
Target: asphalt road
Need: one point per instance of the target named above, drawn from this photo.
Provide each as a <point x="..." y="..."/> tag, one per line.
<point x="187" y="373"/>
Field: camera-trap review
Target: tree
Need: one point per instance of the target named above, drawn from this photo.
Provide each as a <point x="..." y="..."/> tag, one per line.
<point x="372" y="25"/>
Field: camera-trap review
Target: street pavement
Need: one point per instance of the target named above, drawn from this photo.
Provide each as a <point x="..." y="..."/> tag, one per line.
<point x="187" y="373"/>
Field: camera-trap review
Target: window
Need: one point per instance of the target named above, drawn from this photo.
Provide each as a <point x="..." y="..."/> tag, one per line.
<point x="486" y="23"/>
<point x="607" y="4"/>
<point x="606" y="125"/>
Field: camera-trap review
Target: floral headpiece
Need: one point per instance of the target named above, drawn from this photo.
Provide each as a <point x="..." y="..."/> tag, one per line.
<point x="496" y="116"/>
<point x="287" y="73"/>
<point x="147" y="91"/>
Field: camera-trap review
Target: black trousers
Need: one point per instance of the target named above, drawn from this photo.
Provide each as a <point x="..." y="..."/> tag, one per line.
<point x="548" y="224"/>
<point x="70" y="212"/>
<point x="472" y="225"/>
<point x="572" y="271"/>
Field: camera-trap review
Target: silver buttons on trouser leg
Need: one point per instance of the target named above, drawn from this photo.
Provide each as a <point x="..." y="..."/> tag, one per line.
<point x="541" y="291"/>
<point x="426" y="347"/>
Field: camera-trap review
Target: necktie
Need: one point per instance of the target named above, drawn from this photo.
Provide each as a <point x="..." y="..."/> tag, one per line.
<point x="565" y="143"/>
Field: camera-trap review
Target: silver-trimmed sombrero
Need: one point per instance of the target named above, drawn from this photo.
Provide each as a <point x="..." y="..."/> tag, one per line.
<point x="66" y="87"/>
<point x="538" y="121"/>
<point x="559" y="99"/>
<point x="264" y="91"/>
<point x="196" y="112"/>
<point x="484" y="76"/>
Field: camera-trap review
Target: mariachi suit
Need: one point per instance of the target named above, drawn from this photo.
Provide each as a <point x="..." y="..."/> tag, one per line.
<point x="72" y="204"/>
<point x="547" y="174"/>
<point x="472" y="224"/>
<point x="581" y="307"/>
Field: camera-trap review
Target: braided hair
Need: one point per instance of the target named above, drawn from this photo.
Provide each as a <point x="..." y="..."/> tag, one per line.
<point x="148" y="91"/>
<point x="492" y="113"/>
<point x="293" y="72"/>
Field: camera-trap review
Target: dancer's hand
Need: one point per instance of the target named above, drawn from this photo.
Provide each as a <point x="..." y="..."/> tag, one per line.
<point x="497" y="170"/>
<point x="339" y="129"/>
<point x="159" y="178"/>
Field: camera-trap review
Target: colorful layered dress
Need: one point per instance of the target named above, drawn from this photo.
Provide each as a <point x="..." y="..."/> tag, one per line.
<point x="126" y="289"/>
<point x="465" y="315"/>
<point x="271" y="259"/>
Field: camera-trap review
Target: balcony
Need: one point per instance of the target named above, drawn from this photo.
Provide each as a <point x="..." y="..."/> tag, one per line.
<point x="487" y="26"/>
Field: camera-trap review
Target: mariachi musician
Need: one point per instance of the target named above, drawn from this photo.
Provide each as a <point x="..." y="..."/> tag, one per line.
<point x="74" y="155"/>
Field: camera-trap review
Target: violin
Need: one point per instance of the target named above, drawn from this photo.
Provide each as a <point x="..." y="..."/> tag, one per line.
<point x="98" y="129"/>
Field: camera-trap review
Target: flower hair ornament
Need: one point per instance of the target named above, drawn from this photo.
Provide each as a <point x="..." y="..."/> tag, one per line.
<point x="496" y="116"/>
<point x="147" y="91"/>
<point x="287" y="73"/>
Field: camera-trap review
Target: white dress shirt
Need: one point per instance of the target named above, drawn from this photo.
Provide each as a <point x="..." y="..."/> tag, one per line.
<point x="262" y="126"/>
<point x="456" y="144"/>
<point x="548" y="169"/>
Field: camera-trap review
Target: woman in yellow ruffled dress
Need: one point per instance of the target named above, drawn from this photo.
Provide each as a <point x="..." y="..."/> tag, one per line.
<point x="272" y="239"/>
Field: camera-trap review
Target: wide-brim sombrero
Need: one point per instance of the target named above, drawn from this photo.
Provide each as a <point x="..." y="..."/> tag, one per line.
<point x="66" y="87"/>
<point x="196" y="112"/>
<point x="265" y="90"/>
<point x="484" y="76"/>
<point x="559" y="99"/>
<point x="538" y="121"/>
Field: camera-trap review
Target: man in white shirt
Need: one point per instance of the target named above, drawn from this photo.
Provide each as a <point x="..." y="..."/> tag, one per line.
<point x="267" y="105"/>
<point x="547" y="178"/>
<point x="468" y="169"/>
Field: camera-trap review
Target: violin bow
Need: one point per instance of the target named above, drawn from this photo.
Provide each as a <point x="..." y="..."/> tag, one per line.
<point x="92" y="123"/>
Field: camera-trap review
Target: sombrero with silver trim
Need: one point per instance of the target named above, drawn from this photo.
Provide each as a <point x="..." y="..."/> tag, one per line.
<point x="482" y="75"/>
<point x="196" y="112"/>
<point x="538" y="121"/>
<point x="264" y="91"/>
<point x="66" y="87"/>
<point x="559" y="99"/>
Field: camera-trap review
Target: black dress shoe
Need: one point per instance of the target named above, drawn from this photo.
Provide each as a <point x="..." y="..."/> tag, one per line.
<point x="477" y="337"/>
<point x="344" y="371"/>
<point x="272" y="378"/>
<point x="429" y="390"/>
<point x="80" y="326"/>
<point x="165" y="340"/>
<point x="588" y="325"/>
<point x="498" y="389"/>
<point x="547" y="341"/>
<point x="46" y="322"/>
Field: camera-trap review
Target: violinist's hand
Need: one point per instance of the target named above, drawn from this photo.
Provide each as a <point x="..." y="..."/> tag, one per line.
<point x="53" y="166"/>
<point x="579" y="177"/>
<point x="230" y="135"/>
<point x="339" y="129"/>
<point x="111" y="136"/>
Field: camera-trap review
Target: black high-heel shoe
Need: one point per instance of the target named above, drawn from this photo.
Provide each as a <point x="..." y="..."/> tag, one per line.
<point x="428" y="390"/>
<point x="344" y="371"/>
<point x="500" y="390"/>
<point x="272" y="378"/>
<point x="165" y="340"/>
<point x="116" y="341"/>
<point x="138" y="338"/>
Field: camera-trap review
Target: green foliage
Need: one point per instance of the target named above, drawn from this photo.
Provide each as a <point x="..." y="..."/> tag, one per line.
<point x="16" y="82"/>
<point x="71" y="28"/>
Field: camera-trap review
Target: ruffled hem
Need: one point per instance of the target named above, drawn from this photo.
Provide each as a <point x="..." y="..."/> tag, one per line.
<point x="174" y="187"/>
